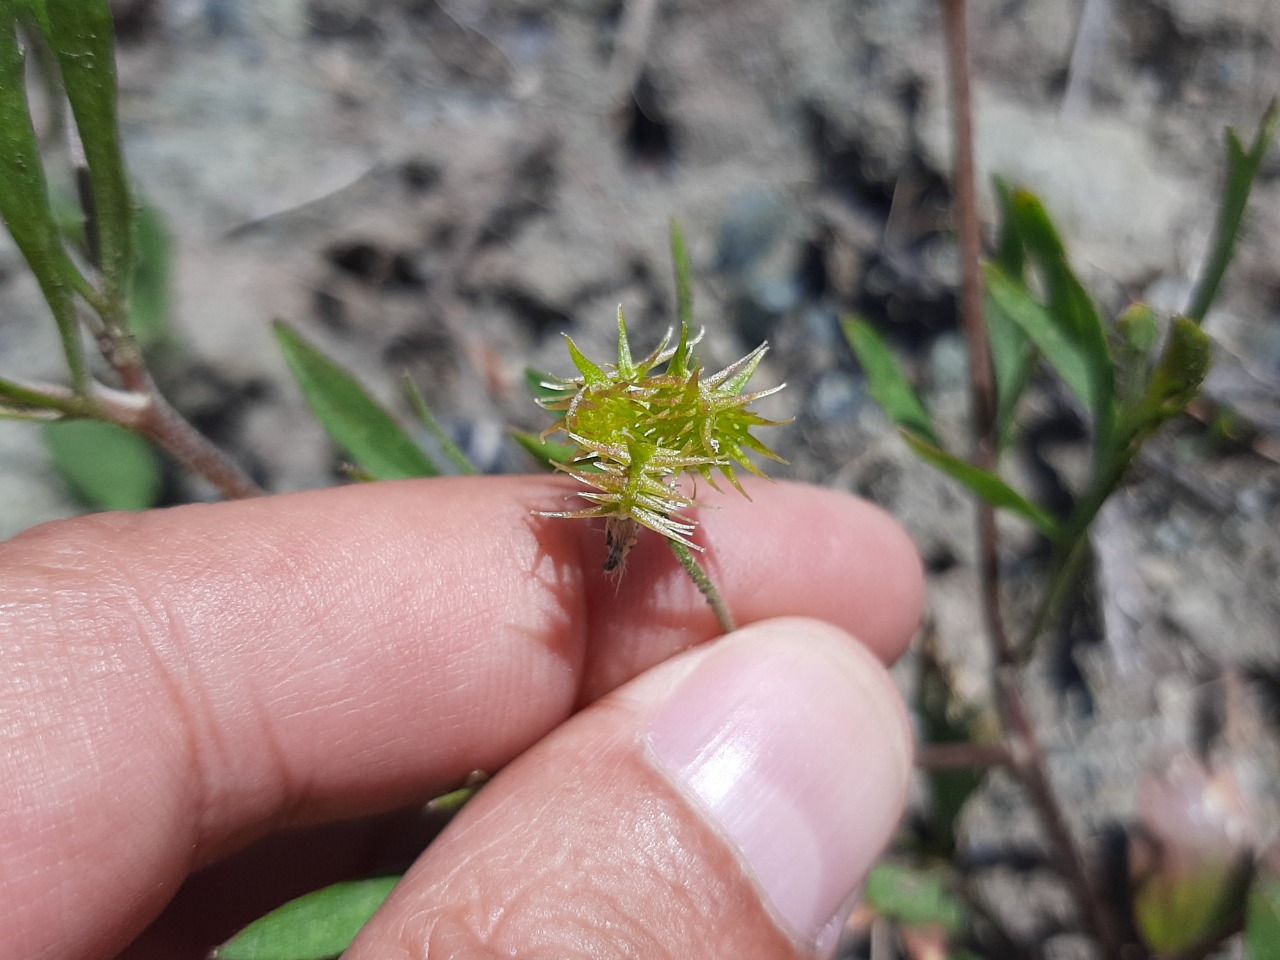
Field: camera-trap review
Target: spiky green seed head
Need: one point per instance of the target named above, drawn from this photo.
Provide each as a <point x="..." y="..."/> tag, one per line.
<point x="637" y="426"/>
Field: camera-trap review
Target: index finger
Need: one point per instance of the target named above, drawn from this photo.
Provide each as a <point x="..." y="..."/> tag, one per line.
<point x="183" y="680"/>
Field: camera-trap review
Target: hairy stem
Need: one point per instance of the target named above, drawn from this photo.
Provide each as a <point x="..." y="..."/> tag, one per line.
<point x="703" y="580"/>
<point x="1030" y="761"/>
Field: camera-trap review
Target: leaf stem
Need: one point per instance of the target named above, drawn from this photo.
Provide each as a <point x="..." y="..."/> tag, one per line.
<point x="700" y="576"/>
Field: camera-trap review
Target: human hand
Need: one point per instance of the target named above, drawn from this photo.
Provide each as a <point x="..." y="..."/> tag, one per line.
<point x="177" y="684"/>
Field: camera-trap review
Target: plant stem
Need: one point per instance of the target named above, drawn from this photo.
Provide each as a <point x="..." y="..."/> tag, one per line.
<point x="963" y="756"/>
<point x="151" y="415"/>
<point x="1030" y="762"/>
<point x="703" y="580"/>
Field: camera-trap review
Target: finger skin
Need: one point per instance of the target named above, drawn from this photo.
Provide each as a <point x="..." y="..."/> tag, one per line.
<point x="585" y="849"/>
<point x="178" y="682"/>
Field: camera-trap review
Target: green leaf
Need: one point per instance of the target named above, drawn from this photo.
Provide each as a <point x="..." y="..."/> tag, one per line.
<point x="1014" y="303"/>
<point x="886" y="380"/>
<point x="1011" y="255"/>
<point x="915" y="896"/>
<point x="1242" y="167"/>
<point x="1071" y="308"/>
<point x="1014" y="358"/>
<point x="24" y="198"/>
<point x="82" y="35"/>
<point x="317" y="926"/>
<point x="547" y="452"/>
<point x="1262" y="918"/>
<point x="107" y="466"/>
<point x="356" y="421"/>
<point x="451" y="449"/>
<point x="152" y="279"/>
<point x="985" y="484"/>
<point x="541" y="385"/>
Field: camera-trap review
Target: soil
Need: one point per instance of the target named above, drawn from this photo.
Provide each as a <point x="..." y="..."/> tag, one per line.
<point x="443" y="188"/>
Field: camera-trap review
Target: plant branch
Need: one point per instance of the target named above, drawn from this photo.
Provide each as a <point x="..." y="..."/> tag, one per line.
<point x="151" y="415"/>
<point x="963" y="756"/>
<point x="703" y="580"/>
<point x="1030" y="762"/>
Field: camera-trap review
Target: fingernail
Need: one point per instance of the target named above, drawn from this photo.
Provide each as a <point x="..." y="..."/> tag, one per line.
<point x="786" y="738"/>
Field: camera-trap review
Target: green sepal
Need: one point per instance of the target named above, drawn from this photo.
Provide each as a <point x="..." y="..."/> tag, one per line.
<point x="590" y="372"/>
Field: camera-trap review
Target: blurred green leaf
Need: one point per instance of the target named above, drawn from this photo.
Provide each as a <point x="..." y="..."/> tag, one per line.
<point x="316" y="926"/>
<point x="1013" y="302"/>
<point x="537" y="381"/>
<point x="107" y="466"/>
<point x="546" y="452"/>
<point x="356" y="421"/>
<point x="886" y="379"/>
<point x="1262" y="918"/>
<point x="24" y="197"/>
<point x="152" y="279"/>
<point x="83" y="37"/>
<point x="1242" y="167"/>
<point x="1011" y="255"/>
<point x="915" y="896"/>
<point x="1072" y="310"/>
<point x="451" y="449"/>
<point x="1176" y="912"/>
<point x="1013" y="358"/>
<point x="986" y="485"/>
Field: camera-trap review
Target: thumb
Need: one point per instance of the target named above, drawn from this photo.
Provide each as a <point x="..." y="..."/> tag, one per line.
<point x="727" y="803"/>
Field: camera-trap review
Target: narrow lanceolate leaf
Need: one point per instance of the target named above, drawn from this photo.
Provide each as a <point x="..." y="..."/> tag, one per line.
<point x="24" y="197"/>
<point x="316" y="926"/>
<point x="82" y="35"/>
<point x="1069" y="359"/>
<point x="1069" y="304"/>
<point x="107" y="466"/>
<point x="886" y="379"/>
<point x="358" y="423"/>
<point x="1242" y="167"/>
<point x="1014" y="358"/>
<point x="450" y="449"/>
<point x="1011" y="255"/>
<point x="985" y="484"/>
